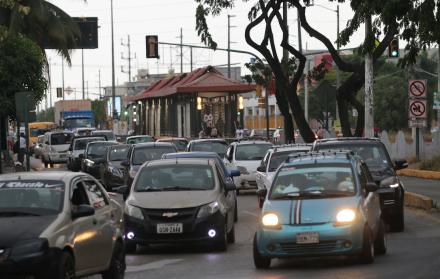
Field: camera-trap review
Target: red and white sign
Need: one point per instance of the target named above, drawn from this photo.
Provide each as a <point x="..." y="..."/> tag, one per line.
<point x="417" y="88"/>
<point x="417" y="108"/>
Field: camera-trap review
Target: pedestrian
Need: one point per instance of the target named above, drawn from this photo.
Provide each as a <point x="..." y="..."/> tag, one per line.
<point x="214" y="132"/>
<point x="20" y="148"/>
<point x="321" y="133"/>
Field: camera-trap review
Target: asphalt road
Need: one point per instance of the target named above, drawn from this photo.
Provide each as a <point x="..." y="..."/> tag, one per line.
<point x="426" y="187"/>
<point x="413" y="253"/>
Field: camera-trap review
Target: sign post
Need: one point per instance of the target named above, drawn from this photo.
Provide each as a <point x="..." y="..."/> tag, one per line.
<point x="24" y="104"/>
<point x="417" y="108"/>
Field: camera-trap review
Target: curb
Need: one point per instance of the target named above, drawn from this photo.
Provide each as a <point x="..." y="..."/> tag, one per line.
<point x="420" y="173"/>
<point x="418" y="201"/>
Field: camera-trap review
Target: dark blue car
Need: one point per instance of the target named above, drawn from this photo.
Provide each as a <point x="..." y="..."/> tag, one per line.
<point x="229" y="173"/>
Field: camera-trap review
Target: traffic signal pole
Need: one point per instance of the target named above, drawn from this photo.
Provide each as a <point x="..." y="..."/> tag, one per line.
<point x="369" y="115"/>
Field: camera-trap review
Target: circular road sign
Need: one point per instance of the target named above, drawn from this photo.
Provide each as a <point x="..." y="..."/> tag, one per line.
<point x="417" y="88"/>
<point x="417" y="108"/>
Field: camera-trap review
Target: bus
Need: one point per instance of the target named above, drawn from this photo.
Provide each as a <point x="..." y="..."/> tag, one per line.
<point x="38" y="129"/>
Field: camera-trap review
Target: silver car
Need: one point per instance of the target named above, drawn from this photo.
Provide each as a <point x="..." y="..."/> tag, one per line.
<point x="59" y="225"/>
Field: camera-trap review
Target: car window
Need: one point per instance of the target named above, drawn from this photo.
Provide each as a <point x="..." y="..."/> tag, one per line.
<point x="81" y="144"/>
<point x="280" y="157"/>
<point x="142" y="155"/>
<point x="109" y="135"/>
<point x="265" y="160"/>
<point x="60" y="138"/>
<point x="317" y="180"/>
<point x="218" y="147"/>
<point x="95" y="193"/>
<point x="139" y="140"/>
<point x="251" y="152"/>
<point x="41" y="197"/>
<point x="118" y="153"/>
<point x="97" y="150"/>
<point x="79" y="194"/>
<point x="176" y="177"/>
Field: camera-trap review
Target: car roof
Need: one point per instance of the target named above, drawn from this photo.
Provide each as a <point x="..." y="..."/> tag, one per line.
<point x="348" y="139"/>
<point x="103" y="142"/>
<point x="186" y="161"/>
<point x="328" y="156"/>
<point x="58" y="132"/>
<point x="208" y="140"/>
<point x="153" y="144"/>
<point x="139" y="136"/>
<point x="98" y="131"/>
<point x="171" y="138"/>
<point x="196" y="154"/>
<point x="246" y="142"/>
<point x="293" y="147"/>
<point x="40" y="175"/>
<point x="88" y="137"/>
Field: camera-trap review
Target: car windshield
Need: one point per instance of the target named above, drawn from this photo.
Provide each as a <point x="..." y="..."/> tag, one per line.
<point x="60" y="138"/>
<point x="140" y="140"/>
<point x="35" y="132"/>
<point x="176" y="177"/>
<point x="180" y="144"/>
<point x="313" y="181"/>
<point x="81" y="144"/>
<point x="77" y="123"/>
<point x="108" y="135"/>
<point x="144" y="154"/>
<point x="118" y="153"/>
<point x="97" y="150"/>
<point x="374" y="155"/>
<point x="218" y="147"/>
<point x="280" y="157"/>
<point x="251" y="152"/>
<point x="31" y="197"/>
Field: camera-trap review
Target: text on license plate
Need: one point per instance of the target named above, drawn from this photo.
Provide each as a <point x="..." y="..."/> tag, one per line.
<point x="170" y="228"/>
<point x="307" y="237"/>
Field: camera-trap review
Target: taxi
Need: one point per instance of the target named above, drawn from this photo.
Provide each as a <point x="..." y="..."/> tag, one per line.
<point x="321" y="204"/>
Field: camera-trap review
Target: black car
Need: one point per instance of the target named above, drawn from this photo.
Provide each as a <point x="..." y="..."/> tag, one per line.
<point x="76" y="150"/>
<point x="218" y="146"/>
<point x="141" y="153"/>
<point x="374" y="153"/>
<point x="112" y="172"/>
<point x="94" y="157"/>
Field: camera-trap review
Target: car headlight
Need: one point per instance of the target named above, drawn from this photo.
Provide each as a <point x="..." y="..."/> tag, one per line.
<point x="345" y="216"/>
<point x="30" y="247"/>
<point x="389" y="182"/>
<point x="208" y="209"/>
<point x="243" y="170"/>
<point x="89" y="163"/>
<point x="133" y="211"/>
<point x="270" y="220"/>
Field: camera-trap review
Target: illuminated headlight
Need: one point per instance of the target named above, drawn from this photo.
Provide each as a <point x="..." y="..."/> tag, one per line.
<point x="242" y="170"/>
<point x="270" y="220"/>
<point x="395" y="185"/>
<point x="345" y="216"/>
<point x="208" y="209"/>
<point x="133" y="211"/>
<point x="390" y="182"/>
<point x="89" y="163"/>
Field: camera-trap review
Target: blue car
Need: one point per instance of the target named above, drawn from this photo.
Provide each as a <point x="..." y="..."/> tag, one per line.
<point x="321" y="204"/>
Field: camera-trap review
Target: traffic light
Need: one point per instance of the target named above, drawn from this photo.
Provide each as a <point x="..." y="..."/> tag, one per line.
<point x="393" y="48"/>
<point x="152" y="44"/>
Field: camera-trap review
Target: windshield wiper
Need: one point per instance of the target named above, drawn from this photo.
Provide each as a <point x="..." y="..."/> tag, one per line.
<point x="17" y="213"/>
<point x="149" y="189"/>
<point x="180" y="188"/>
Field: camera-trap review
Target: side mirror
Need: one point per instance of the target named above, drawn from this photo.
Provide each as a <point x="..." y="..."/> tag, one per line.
<point x="83" y="210"/>
<point x="81" y="156"/>
<point x="230" y="187"/>
<point x="122" y="190"/>
<point x="400" y="164"/>
<point x="371" y="187"/>
<point x="46" y="142"/>
<point x="125" y="163"/>
<point x="261" y="169"/>
<point x="70" y="149"/>
<point x="234" y="172"/>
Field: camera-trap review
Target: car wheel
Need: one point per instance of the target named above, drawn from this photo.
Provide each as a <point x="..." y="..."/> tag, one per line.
<point x="130" y="247"/>
<point x="51" y="165"/>
<point x="117" y="264"/>
<point x="222" y="240"/>
<point x="380" y="244"/>
<point x="260" y="262"/>
<point x="46" y="164"/>
<point x="367" y="254"/>
<point x="397" y="222"/>
<point x="66" y="269"/>
<point x="231" y="235"/>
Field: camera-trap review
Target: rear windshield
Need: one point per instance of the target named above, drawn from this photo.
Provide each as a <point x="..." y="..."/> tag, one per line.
<point x="81" y="144"/>
<point x="109" y="135"/>
<point x="251" y="152"/>
<point x="60" y="138"/>
<point x="97" y="150"/>
<point x="280" y="157"/>
<point x="31" y="197"/>
<point x="142" y="155"/>
<point x="118" y="153"/>
<point x="180" y="144"/>
<point x="140" y="140"/>
<point x="218" y="147"/>
<point x="176" y="177"/>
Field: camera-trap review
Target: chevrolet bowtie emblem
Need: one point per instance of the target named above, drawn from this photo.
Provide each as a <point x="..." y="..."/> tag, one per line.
<point x="170" y="214"/>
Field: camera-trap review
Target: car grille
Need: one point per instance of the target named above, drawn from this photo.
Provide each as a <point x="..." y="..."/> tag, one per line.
<point x="170" y="215"/>
<point x="322" y="247"/>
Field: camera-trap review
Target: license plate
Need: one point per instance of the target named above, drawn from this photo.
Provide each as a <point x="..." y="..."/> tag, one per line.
<point x="307" y="238"/>
<point x="170" y="228"/>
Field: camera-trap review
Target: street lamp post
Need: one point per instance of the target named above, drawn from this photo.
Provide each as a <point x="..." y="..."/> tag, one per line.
<point x="113" y="70"/>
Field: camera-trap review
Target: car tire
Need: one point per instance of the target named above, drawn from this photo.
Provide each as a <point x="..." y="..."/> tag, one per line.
<point x="231" y="235"/>
<point x="130" y="247"/>
<point x="397" y="222"/>
<point x="66" y="267"/>
<point x="222" y="240"/>
<point x="260" y="262"/>
<point x="367" y="254"/>
<point x="46" y="164"/>
<point x="117" y="266"/>
<point x="380" y="244"/>
<point x="51" y="165"/>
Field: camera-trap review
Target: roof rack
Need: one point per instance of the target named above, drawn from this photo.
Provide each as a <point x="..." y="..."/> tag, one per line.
<point x="327" y="153"/>
<point x="347" y="138"/>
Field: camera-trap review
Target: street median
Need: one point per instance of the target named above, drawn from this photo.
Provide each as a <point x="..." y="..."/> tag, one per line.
<point x="420" y="173"/>
<point x="418" y="201"/>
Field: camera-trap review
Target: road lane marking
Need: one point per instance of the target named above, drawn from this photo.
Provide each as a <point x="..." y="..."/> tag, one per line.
<point x="152" y="265"/>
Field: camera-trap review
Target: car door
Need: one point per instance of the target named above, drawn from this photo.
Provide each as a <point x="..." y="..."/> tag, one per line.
<point x="228" y="196"/>
<point x="261" y="175"/>
<point x="374" y="206"/>
<point x="371" y="198"/>
<point x="84" y="229"/>
<point x="104" y="217"/>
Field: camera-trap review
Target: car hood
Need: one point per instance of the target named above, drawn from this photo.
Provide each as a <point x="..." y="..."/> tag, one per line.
<point x="310" y="211"/>
<point x="172" y="199"/>
<point x="60" y="147"/>
<point x="15" y="229"/>
<point x="251" y="166"/>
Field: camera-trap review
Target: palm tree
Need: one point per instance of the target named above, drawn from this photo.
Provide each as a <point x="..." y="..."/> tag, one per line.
<point x="41" y="21"/>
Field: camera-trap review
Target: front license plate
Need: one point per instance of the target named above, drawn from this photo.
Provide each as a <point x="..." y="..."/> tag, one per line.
<point x="170" y="228"/>
<point x="307" y="238"/>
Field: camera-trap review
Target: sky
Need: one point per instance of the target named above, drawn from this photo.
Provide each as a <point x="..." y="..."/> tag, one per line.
<point x="165" y="18"/>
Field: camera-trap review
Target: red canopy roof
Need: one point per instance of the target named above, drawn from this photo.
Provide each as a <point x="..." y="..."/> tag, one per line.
<point x="205" y="80"/>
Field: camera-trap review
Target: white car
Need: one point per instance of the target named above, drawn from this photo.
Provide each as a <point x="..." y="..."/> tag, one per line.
<point x="272" y="160"/>
<point x="246" y="156"/>
<point x="55" y="147"/>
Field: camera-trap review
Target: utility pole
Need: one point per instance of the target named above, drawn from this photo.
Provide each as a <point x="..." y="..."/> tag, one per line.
<point x="82" y="71"/>
<point x="87" y="88"/>
<point x="299" y="34"/>
<point x="129" y="58"/>
<point x="99" y="81"/>
<point x="113" y="70"/>
<point x="438" y="83"/>
<point x="229" y="44"/>
<point x="338" y="75"/>
<point x="62" y="75"/>
<point x="50" y="87"/>
<point x="191" y="58"/>
<point x="369" y="114"/>
<point x="181" y="51"/>
<point x="306" y="89"/>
